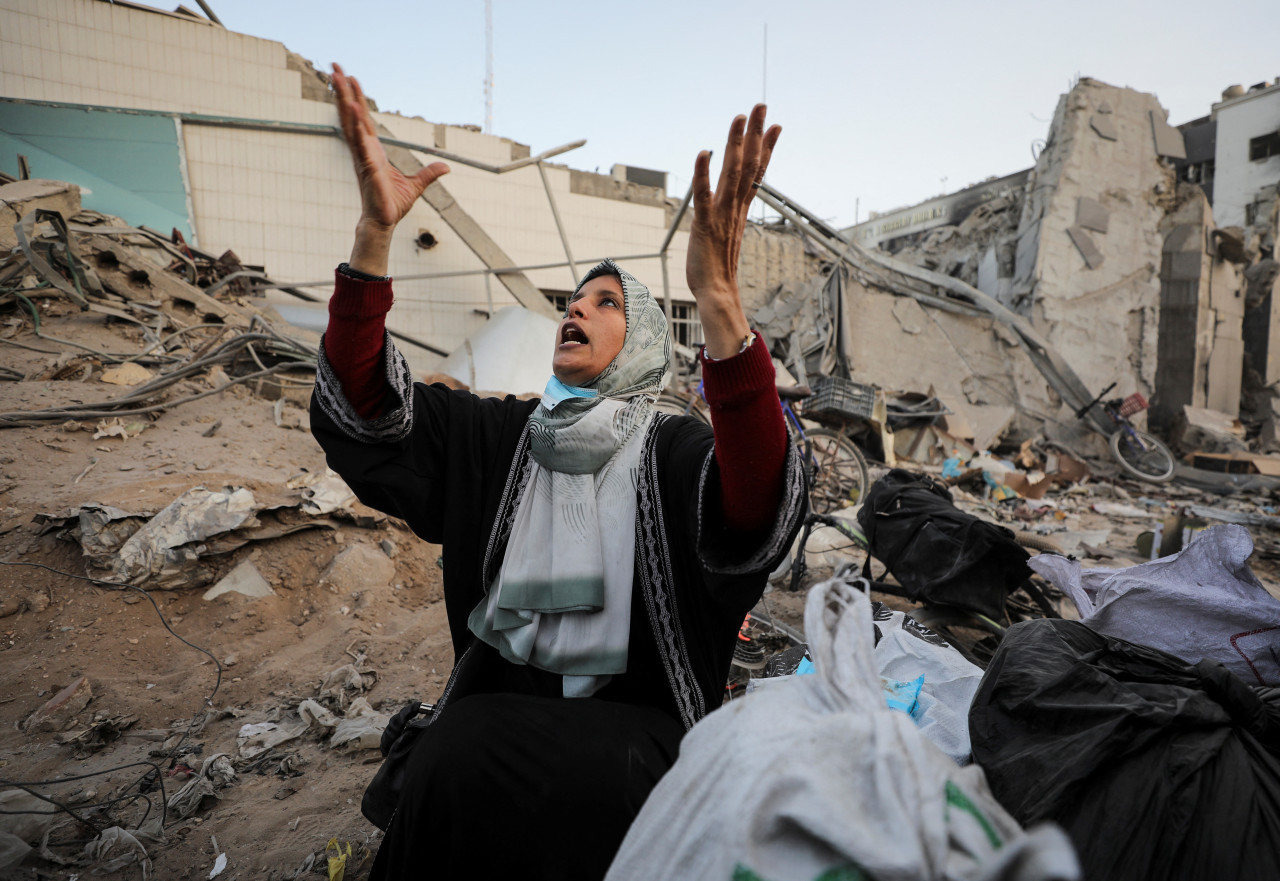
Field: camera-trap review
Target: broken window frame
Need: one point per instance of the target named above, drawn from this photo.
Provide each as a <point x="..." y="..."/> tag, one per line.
<point x="1264" y="147"/>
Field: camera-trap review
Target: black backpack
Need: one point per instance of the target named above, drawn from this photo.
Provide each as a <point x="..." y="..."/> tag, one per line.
<point x="938" y="553"/>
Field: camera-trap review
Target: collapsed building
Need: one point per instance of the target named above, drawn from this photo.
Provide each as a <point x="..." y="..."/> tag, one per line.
<point x="1106" y="249"/>
<point x="173" y="122"/>
<point x="1013" y="302"/>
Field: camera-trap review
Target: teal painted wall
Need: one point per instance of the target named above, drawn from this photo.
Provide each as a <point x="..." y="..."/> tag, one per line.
<point x="125" y="165"/>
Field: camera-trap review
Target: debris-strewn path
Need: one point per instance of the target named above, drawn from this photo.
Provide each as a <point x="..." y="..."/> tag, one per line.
<point x="137" y="688"/>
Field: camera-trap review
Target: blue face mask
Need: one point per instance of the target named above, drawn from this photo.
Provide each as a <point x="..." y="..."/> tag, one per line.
<point x="556" y="391"/>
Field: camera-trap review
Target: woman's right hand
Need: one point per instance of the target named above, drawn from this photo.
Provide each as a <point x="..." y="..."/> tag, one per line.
<point x="386" y="195"/>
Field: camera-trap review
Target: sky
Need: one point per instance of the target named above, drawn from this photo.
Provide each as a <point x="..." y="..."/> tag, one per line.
<point x="882" y="105"/>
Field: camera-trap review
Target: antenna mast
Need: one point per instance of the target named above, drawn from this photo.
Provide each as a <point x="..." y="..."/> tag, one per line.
<point x="488" y="67"/>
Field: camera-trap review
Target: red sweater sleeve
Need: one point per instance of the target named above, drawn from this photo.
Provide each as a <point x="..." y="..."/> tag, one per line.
<point x="353" y="342"/>
<point x="751" y="436"/>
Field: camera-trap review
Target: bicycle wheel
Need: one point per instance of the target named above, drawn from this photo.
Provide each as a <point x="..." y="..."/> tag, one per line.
<point x="1142" y="455"/>
<point x="679" y="404"/>
<point x="839" y="471"/>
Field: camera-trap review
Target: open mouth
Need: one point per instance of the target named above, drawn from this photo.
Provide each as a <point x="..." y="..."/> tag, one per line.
<point x="572" y="334"/>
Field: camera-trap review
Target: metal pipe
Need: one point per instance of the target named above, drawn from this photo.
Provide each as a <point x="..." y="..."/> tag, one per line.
<point x="666" y="308"/>
<point x="460" y="273"/>
<point x="957" y="307"/>
<point x="213" y="17"/>
<point x="303" y="128"/>
<point x="555" y="213"/>
<point x="675" y="224"/>
<point x="1059" y="374"/>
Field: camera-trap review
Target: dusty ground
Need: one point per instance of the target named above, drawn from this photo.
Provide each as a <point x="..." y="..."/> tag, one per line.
<point x="274" y="650"/>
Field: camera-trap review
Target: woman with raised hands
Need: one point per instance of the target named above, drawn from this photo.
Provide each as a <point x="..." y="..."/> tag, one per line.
<point x="599" y="557"/>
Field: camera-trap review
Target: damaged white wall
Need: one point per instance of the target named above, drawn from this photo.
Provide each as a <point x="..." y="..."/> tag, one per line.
<point x="969" y="362"/>
<point x="1237" y="176"/>
<point x="289" y="201"/>
<point x="1089" y="241"/>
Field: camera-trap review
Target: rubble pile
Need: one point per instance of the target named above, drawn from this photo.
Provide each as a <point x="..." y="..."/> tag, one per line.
<point x="203" y="618"/>
<point x="206" y="573"/>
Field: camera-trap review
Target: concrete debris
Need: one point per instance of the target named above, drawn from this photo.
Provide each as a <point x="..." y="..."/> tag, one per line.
<point x="323" y="492"/>
<point x="1202" y="430"/>
<point x="60" y="710"/>
<point x="244" y="579"/>
<point x="358" y="568"/>
<point x="129" y="373"/>
<point x="1104" y="127"/>
<point x="179" y="298"/>
<point x="20" y="198"/>
<point x="1093" y="258"/>
<point x="1237" y="463"/>
<point x="1168" y="140"/>
<point x="1090" y="214"/>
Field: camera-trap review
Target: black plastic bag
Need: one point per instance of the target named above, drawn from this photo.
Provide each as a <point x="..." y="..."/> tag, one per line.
<point x="1155" y="767"/>
<point x="936" y="551"/>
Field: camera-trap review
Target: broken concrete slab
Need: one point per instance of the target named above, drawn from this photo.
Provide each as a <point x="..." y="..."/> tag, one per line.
<point x="1168" y="140"/>
<point x="244" y="579"/>
<point x="1090" y="214"/>
<point x="1209" y="431"/>
<point x="19" y="198"/>
<point x="1093" y="258"/>
<point x="1104" y="127"/>
<point x="359" y="567"/>
<point x="60" y="709"/>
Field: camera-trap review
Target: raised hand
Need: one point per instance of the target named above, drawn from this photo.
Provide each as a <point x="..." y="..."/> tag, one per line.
<point x="386" y="195"/>
<point x="720" y="217"/>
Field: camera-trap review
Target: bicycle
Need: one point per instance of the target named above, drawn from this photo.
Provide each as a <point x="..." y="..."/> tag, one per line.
<point x="683" y="404"/>
<point x="836" y="467"/>
<point x="1138" y="453"/>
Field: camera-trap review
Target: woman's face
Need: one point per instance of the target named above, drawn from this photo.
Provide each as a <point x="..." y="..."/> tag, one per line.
<point x="592" y="334"/>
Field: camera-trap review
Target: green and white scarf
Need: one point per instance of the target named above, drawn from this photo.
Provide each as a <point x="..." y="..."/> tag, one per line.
<point x="562" y="599"/>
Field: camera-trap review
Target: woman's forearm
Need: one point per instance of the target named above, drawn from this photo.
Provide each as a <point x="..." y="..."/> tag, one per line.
<point x="751" y="436"/>
<point x="353" y="341"/>
<point x="371" y="253"/>
<point x="724" y="325"/>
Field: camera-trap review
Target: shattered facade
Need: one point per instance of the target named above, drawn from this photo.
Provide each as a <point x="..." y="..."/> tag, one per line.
<point x="242" y="132"/>
<point x="1117" y="264"/>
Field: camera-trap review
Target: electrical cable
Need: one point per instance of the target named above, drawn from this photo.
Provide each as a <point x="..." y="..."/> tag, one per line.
<point x="197" y="721"/>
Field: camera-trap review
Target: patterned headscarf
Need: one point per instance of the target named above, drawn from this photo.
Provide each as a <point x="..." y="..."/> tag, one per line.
<point x="562" y="599"/>
<point x="634" y="376"/>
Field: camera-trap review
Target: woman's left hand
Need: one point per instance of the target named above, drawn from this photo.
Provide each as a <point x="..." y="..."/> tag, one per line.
<point x="715" y="237"/>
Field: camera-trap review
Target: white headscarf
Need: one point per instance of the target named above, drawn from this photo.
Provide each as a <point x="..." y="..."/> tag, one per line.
<point x="562" y="599"/>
